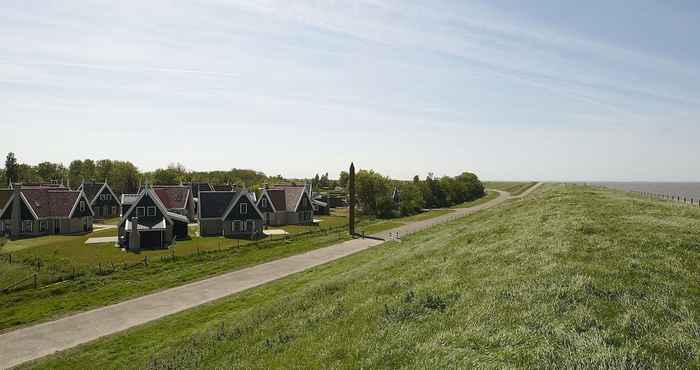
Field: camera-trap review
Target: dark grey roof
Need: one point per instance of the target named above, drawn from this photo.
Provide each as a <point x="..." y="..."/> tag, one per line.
<point x="213" y="204"/>
<point x="91" y="188"/>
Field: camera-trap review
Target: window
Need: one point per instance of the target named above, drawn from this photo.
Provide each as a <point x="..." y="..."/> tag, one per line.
<point x="107" y="196"/>
<point x="140" y="211"/>
<point x="236" y="226"/>
<point x="244" y="224"/>
<point x="264" y="202"/>
<point x="244" y="208"/>
<point x="250" y="225"/>
<point x="27" y="226"/>
<point x="304" y="201"/>
<point x="43" y="226"/>
<point x="151" y="211"/>
<point x="82" y="206"/>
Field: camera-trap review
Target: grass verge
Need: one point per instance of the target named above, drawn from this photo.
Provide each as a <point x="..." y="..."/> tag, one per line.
<point x="572" y="277"/>
<point x="513" y="187"/>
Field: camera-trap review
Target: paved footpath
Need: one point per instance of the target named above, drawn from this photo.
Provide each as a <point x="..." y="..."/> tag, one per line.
<point x="37" y="341"/>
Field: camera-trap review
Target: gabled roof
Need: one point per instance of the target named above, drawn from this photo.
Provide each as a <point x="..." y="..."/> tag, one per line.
<point x="5" y="195"/>
<point x="47" y="202"/>
<point x="152" y="194"/>
<point x="286" y="197"/>
<point x="173" y="197"/>
<point x="264" y="194"/>
<point x="198" y="187"/>
<point x="243" y="193"/>
<point x="91" y="189"/>
<point x="222" y="187"/>
<point x="213" y="204"/>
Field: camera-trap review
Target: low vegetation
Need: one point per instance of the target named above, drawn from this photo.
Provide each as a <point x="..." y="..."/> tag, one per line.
<point x="488" y="196"/>
<point x="513" y="187"/>
<point x="572" y="277"/>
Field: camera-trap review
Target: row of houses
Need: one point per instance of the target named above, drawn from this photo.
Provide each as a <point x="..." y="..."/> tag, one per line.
<point x="156" y="215"/>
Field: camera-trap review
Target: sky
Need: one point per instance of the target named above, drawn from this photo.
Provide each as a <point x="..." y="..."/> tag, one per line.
<point x="511" y="90"/>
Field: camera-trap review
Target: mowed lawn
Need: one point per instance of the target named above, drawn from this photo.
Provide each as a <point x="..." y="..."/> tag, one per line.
<point x="570" y="277"/>
<point x="513" y="187"/>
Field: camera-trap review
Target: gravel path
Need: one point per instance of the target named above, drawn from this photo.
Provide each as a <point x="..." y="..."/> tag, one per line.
<point x="37" y="341"/>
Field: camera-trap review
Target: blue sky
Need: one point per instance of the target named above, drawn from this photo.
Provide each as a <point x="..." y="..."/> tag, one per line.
<point x="548" y="90"/>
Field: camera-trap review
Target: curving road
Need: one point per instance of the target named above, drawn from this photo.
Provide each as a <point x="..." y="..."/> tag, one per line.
<point x="37" y="341"/>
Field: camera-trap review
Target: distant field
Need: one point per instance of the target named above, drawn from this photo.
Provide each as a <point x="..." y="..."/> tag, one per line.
<point x="513" y="187"/>
<point x="571" y="277"/>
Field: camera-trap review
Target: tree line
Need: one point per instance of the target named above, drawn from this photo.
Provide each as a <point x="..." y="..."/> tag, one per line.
<point x="122" y="176"/>
<point x="375" y="192"/>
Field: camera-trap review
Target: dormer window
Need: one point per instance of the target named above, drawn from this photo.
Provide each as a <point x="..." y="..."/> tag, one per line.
<point x="244" y="208"/>
<point x="82" y="206"/>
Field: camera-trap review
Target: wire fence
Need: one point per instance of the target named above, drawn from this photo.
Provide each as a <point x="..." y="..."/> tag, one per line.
<point x="669" y="197"/>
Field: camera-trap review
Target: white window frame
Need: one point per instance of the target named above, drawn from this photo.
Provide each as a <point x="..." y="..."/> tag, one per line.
<point x="148" y="211"/>
<point x="43" y="226"/>
<point x="264" y="202"/>
<point x="244" y="208"/>
<point x="82" y="206"/>
<point x="252" y="225"/>
<point x="236" y="229"/>
<point x="24" y="226"/>
<point x="243" y="225"/>
<point x="140" y="211"/>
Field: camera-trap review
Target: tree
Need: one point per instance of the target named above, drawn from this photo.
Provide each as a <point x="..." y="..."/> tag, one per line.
<point x="374" y="193"/>
<point x="48" y="171"/>
<point x="87" y="170"/>
<point x="11" y="171"/>
<point x="74" y="172"/>
<point x="166" y="176"/>
<point x="343" y="179"/>
<point x="411" y="199"/>
<point x="324" y="182"/>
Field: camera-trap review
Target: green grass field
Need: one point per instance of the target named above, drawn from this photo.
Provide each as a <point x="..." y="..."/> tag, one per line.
<point x="513" y="187"/>
<point x="571" y="277"/>
<point x="102" y="278"/>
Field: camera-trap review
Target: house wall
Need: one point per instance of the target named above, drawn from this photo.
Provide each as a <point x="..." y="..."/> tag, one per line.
<point x="99" y="204"/>
<point x="210" y="227"/>
<point x="256" y="230"/>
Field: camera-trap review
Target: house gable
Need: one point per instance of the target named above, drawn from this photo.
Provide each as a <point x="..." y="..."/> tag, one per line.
<point x="234" y="210"/>
<point x="266" y="205"/>
<point x="83" y="211"/>
<point x="146" y="200"/>
<point x="304" y="203"/>
<point x="105" y="197"/>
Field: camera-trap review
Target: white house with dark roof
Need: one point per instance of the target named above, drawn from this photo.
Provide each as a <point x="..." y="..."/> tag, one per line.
<point x="286" y="205"/>
<point x="229" y="214"/>
<point x="38" y="211"/>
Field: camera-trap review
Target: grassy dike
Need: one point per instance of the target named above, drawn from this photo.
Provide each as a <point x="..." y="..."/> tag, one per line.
<point x="569" y="277"/>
